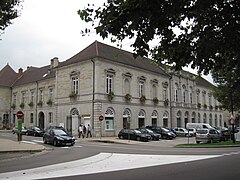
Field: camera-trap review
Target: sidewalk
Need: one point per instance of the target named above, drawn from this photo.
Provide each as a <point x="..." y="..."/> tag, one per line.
<point x="7" y="145"/>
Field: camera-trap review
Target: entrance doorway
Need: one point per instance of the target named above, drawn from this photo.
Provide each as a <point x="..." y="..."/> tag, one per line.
<point x="41" y="120"/>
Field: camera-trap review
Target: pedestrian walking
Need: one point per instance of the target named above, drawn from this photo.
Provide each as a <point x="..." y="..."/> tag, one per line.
<point x="89" y="131"/>
<point x="80" y="132"/>
<point x="84" y="130"/>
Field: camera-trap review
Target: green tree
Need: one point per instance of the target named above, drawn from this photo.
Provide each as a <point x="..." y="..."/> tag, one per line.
<point x="228" y="88"/>
<point x="9" y="10"/>
<point x="203" y="34"/>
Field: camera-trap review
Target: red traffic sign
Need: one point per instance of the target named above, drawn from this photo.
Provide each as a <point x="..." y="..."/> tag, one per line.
<point x="232" y="119"/>
<point x="101" y="117"/>
<point x="20" y="114"/>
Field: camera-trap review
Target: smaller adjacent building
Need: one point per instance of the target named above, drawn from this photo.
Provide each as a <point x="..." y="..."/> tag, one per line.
<point x="102" y="80"/>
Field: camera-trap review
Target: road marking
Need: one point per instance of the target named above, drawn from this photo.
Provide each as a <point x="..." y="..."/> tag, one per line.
<point x="103" y="162"/>
<point x="38" y="141"/>
<point x="28" y="142"/>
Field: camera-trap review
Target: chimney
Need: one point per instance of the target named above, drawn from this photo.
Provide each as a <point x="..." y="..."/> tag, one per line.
<point x="54" y="62"/>
<point x="20" y="72"/>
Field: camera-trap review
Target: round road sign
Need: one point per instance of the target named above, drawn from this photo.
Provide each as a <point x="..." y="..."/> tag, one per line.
<point x="20" y="114"/>
<point x="101" y="117"/>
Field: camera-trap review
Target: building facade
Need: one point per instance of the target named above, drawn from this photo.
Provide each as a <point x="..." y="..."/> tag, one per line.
<point x="105" y="81"/>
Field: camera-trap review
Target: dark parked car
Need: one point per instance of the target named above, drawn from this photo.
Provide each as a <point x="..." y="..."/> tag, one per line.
<point x="133" y="134"/>
<point x="165" y="133"/>
<point x="34" y="131"/>
<point x="58" y="137"/>
<point x="154" y="136"/>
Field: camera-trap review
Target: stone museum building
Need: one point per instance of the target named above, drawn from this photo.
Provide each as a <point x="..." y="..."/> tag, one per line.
<point x="102" y="80"/>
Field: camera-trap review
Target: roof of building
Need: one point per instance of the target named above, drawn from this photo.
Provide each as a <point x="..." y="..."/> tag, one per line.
<point x="34" y="74"/>
<point x="7" y="76"/>
<point x="114" y="54"/>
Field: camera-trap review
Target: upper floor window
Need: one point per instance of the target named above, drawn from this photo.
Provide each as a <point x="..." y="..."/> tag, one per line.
<point x="210" y="99"/>
<point x="141" y="89"/>
<point x="32" y="96"/>
<point x="50" y="93"/>
<point x="184" y="92"/>
<point x="41" y="95"/>
<point x="154" y="88"/>
<point x="23" y="97"/>
<point x="176" y="93"/>
<point x="190" y="95"/>
<point x="204" y="97"/>
<point x="75" y="83"/>
<point x="164" y="94"/>
<point x="14" y="98"/>
<point x="109" y="83"/>
<point x="127" y="86"/>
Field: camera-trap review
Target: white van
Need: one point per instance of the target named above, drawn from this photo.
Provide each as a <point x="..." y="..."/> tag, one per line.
<point x="198" y="125"/>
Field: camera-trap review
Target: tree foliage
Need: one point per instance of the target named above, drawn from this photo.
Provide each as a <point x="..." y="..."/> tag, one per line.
<point x="228" y="87"/>
<point x="9" y="10"/>
<point x="203" y="34"/>
<point x="208" y="32"/>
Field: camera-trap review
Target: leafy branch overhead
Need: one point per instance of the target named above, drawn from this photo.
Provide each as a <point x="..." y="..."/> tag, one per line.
<point x="9" y="10"/>
<point x="205" y="34"/>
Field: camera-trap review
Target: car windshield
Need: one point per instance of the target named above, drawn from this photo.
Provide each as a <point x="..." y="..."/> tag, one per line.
<point x="137" y="131"/>
<point x="60" y="132"/>
<point x="150" y="131"/>
<point x="202" y="131"/>
<point x="166" y="130"/>
<point x="38" y="129"/>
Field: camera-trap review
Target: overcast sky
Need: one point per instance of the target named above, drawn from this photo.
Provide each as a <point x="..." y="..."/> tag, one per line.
<point x="47" y="29"/>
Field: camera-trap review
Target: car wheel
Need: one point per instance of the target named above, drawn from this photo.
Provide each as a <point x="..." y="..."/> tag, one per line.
<point x="198" y="142"/>
<point x="55" y="142"/>
<point x="164" y="137"/>
<point x="138" y="138"/>
<point x="44" y="140"/>
<point x="35" y="134"/>
<point x="120" y="137"/>
<point x="27" y="134"/>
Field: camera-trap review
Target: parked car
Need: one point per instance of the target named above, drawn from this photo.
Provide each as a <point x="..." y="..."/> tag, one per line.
<point x="133" y="134"/>
<point x="192" y="130"/>
<point x="15" y="130"/>
<point x="34" y="131"/>
<point x="207" y="136"/>
<point x="58" y="137"/>
<point x="183" y="132"/>
<point x="165" y="133"/>
<point x="225" y="134"/>
<point x="154" y="136"/>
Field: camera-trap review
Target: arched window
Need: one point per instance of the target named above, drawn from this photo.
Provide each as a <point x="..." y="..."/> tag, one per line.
<point x="141" y="118"/>
<point x="179" y="119"/>
<point x="204" y="118"/>
<point x="216" y="121"/>
<point x="165" y="119"/>
<point x="199" y="117"/>
<point x="109" y="119"/>
<point x="210" y="120"/>
<point x="154" y="118"/>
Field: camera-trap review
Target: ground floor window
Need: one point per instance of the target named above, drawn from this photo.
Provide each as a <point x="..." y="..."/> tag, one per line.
<point x="31" y="117"/>
<point x="109" y="123"/>
<point x="154" y="121"/>
<point x="141" y="123"/>
<point x="165" y="122"/>
<point x="50" y="117"/>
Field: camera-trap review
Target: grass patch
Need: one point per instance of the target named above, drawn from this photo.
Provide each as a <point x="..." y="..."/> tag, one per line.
<point x="223" y="143"/>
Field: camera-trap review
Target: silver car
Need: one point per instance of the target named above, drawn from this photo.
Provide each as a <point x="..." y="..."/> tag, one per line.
<point x="207" y="136"/>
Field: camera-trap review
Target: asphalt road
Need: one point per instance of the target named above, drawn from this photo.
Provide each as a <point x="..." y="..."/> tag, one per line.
<point x="223" y="167"/>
